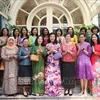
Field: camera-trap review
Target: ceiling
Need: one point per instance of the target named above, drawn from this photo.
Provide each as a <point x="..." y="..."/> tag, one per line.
<point x="70" y="5"/>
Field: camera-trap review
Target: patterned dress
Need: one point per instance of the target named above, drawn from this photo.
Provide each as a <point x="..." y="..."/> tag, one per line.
<point x="96" y="68"/>
<point x="10" y="72"/>
<point x="52" y="72"/>
<point x="38" y="72"/>
<point x="83" y="64"/>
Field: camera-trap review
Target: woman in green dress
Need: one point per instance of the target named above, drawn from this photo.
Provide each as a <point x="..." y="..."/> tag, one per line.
<point x="38" y="67"/>
<point x="33" y="36"/>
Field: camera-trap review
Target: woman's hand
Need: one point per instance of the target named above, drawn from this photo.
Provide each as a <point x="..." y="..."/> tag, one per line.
<point x="12" y="56"/>
<point x="51" y="49"/>
<point x="93" y="49"/>
<point x="96" y="53"/>
<point x="28" y="55"/>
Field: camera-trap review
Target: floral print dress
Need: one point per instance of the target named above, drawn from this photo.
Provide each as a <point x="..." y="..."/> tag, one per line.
<point x="95" y="84"/>
<point x="52" y="72"/>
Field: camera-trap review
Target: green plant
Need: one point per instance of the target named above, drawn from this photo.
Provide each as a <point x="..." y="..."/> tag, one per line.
<point x="77" y="29"/>
<point x="11" y="27"/>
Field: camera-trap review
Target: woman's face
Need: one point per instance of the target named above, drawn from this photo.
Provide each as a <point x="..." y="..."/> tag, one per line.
<point x="52" y="38"/>
<point x="83" y="31"/>
<point x="70" y="30"/>
<point x="34" y="31"/>
<point x="58" y="33"/>
<point x="45" y="31"/>
<point x="95" y="31"/>
<point x="11" y="42"/>
<point x="68" y="38"/>
<point x="16" y="32"/>
<point x="25" y="43"/>
<point x="82" y="38"/>
<point x="24" y="32"/>
<point x="40" y="40"/>
<point x="5" y="32"/>
<point x="94" y="38"/>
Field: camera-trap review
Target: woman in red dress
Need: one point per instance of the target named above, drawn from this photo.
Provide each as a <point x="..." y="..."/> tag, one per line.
<point x="95" y="60"/>
<point x="45" y="34"/>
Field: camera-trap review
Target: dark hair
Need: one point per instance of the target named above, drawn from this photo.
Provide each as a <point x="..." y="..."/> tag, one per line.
<point x="83" y="28"/>
<point x="94" y="27"/>
<point x="67" y="34"/>
<point x="72" y="35"/>
<point x="59" y="30"/>
<point x="42" y="33"/>
<point x="25" y="39"/>
<point x="26" y="32"/>
<point x="36" y="41"/>
<point x="3" y="30"/>
<point x="82" y="34"/>
<point x="55" y="41"/>
<point x="14" y="32"/>
<point x="32" y="31"/>
<point x="98" y="40"/>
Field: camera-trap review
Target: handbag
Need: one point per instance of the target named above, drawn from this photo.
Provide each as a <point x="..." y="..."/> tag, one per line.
<point x="34" y="57"/>
<point x="57" y="55"/>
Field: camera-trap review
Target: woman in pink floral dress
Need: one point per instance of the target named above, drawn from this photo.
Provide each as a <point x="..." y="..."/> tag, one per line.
<point x="52" y="70"/>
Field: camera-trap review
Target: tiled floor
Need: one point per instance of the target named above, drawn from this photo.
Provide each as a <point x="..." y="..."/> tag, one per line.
<point x="45" y="97"/>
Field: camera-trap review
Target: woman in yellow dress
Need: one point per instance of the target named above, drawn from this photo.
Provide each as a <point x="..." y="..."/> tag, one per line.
<point x="74" y="38"/>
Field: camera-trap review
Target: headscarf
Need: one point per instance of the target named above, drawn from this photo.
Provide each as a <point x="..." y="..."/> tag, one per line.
<point x="13" y="46"/>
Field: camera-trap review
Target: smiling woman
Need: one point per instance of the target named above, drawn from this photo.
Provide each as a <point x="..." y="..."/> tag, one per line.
<point x="9" y="56"/>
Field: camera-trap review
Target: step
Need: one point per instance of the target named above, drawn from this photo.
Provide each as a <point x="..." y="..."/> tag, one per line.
<point x="45" y="97"/>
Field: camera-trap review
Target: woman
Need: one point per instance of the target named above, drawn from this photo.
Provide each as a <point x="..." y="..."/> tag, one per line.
<point x="32" y="38"/>
<point x="95" y="30"/>
<point x="95" y="59"/>
<point x="3" y="40"/>
<point x="45" y="34"/>
<point x="4" y="36"/>
<point x="74" y="39"/>
<point x="24" y="34"/>
<point x="68" y="60"/>
<point x="84" y="70"/>
<point x="52" y="70"/>
<point x="24" y="74"/>
<point x="83" y="30"/>
<point x="59" y="36"/>
<point x="9" y="55"/>
<point x="16" y="36"/>
<point x="38" y="67"/>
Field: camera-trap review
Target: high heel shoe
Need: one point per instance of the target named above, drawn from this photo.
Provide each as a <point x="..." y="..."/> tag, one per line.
<point x="25" y="95"/>
<point x="66" y="93"/>
<point x="71" y="94"/>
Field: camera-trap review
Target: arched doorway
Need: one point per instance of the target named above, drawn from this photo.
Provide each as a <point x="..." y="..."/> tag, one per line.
<point x="51" y="18"/>
<point x="50" y="14"/>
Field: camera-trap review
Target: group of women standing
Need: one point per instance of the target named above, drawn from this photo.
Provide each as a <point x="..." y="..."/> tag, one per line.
<point x="61" y="60"/>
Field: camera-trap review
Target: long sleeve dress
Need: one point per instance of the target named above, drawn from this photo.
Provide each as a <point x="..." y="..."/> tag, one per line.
<point x="83" y="63"/>
<point x="52" y="72"/>
<point x="11" y="70"/>
<point x="38" y="72"/>
<point x="95" y="59"/>
<point x="68" y="65"/>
